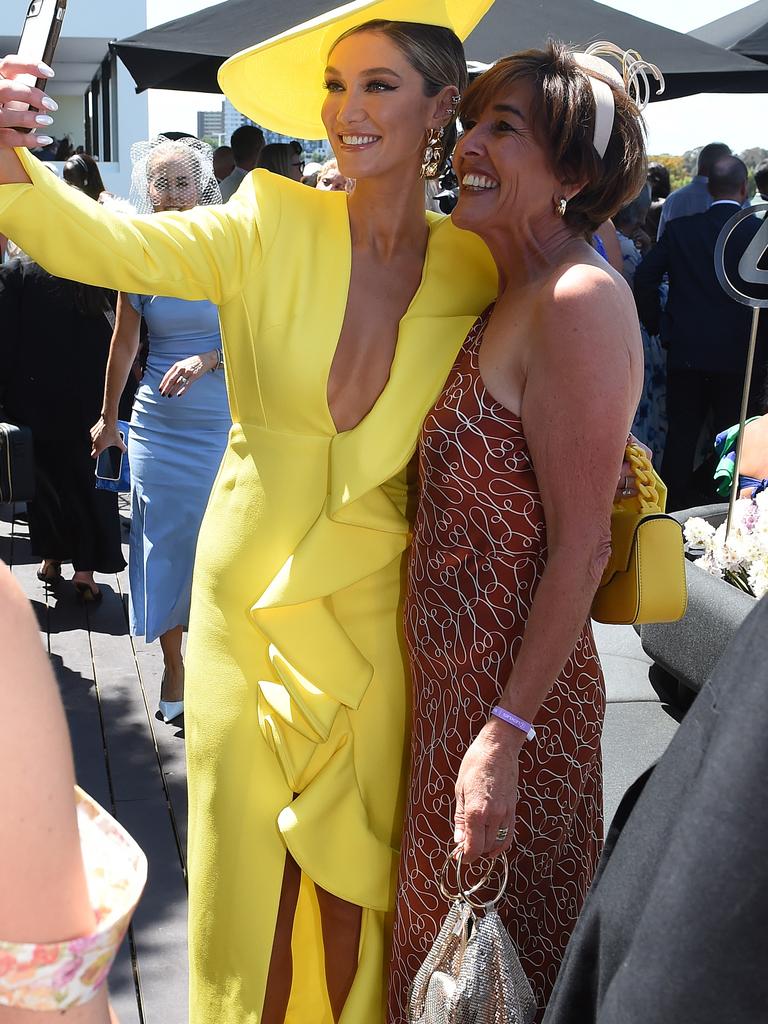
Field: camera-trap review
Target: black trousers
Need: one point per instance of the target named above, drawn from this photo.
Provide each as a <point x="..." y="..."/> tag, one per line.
<point x="691" y="396"/>
<point x="69" y="519"/>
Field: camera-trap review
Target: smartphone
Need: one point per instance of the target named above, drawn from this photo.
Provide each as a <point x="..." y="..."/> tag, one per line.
<point x="42" y="28"/>
<point x="109" y="464"/>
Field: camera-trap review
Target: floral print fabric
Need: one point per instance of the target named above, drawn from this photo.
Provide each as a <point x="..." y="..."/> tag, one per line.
<point x="60" y="975"/>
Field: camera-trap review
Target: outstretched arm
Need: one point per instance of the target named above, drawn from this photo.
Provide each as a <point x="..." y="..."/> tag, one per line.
<point x="203" y="253"/>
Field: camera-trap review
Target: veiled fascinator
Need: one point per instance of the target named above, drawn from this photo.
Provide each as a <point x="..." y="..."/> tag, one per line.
<point x="174" y="174"/>
<point x="631" y="79"/>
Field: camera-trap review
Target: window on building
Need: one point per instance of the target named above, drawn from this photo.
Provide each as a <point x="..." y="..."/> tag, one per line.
<point x="100" y="106"/>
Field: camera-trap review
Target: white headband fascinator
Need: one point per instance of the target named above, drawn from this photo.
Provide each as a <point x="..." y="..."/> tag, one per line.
<point x="632" y="79"/>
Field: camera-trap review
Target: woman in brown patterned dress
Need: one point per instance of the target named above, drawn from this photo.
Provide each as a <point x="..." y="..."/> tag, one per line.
<point x="518" y="466"/>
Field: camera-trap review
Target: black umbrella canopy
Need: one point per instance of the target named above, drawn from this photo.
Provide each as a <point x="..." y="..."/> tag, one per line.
<point x="186" y="53"/>
<point x="688" y="69"/>
<point x="745" y="31"/>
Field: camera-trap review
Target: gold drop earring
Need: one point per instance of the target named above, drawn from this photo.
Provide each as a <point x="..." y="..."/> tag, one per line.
<point x="561" y="205"/>
<point x="434" y="152"/>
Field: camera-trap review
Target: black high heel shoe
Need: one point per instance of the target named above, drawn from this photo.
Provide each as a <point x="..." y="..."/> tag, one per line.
<point x="51" y="575"/>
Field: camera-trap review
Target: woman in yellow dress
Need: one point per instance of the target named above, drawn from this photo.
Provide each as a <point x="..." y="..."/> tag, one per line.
<point x="341" y="316"/>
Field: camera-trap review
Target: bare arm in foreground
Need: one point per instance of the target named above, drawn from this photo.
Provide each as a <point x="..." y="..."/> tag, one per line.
<point x="44" y="891"/>
<point x="581" y="389"/>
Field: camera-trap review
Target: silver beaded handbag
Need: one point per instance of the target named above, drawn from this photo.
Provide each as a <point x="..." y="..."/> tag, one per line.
<point x="472" y="974"/>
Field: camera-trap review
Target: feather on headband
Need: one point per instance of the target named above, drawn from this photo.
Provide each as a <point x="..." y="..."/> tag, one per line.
<point x="633" y="80"/>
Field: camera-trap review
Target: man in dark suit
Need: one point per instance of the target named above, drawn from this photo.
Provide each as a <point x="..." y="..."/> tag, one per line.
<point x="693" y="197"/>
<point x="674" y="927"/>
<point x="704" y="330"/>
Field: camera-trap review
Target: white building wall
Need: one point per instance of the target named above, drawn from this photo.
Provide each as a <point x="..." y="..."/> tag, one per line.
<point x="132" y="124"/>
<point x="89" y="25"/>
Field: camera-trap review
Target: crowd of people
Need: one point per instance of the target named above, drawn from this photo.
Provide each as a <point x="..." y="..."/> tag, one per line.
<point x="384" y="538"/>
<point x="695" y="336"/>
<point x="247" y="152"/>
<point x="145" y="349"/>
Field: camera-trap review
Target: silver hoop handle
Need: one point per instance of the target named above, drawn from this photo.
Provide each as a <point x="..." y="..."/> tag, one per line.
<point x="467" y="894"/>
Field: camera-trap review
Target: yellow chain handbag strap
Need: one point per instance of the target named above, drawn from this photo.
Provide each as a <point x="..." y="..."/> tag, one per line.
<point x="647" y="491"/>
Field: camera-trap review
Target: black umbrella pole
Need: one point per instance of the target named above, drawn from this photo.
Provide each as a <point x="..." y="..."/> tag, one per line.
<point x="743" y="418"/>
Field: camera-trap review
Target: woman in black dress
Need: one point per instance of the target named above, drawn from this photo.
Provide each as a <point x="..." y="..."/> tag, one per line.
<point x="54" y="345"/>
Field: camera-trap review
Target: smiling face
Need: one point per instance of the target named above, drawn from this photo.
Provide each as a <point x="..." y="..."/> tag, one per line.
<point x="504" y="171"/>
<point x="376" y="112"/>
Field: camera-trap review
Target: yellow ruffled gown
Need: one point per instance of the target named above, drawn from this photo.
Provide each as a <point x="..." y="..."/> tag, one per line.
<point x="296" y="679"/>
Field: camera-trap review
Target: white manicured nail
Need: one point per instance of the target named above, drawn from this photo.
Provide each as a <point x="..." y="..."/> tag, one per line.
<point x="50" y="104"/>
<point x="45" y="71"/>
<point x="43" y="119"/>
<point x="44" y="140"/>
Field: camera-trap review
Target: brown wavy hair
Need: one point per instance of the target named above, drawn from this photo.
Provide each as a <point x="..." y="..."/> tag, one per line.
<point x="563" y="121"/>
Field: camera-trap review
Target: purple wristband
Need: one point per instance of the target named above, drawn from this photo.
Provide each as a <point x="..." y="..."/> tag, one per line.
<point x="518" y="723"/>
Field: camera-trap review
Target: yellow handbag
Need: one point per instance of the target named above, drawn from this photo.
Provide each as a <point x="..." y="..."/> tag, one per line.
<point x="644" y="580"/>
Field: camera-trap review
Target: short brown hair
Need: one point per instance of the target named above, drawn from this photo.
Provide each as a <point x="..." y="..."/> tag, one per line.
<point x="563" y="120"/>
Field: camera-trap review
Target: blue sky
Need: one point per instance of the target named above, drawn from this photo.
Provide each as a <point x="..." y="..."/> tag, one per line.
<point x="673" y="126"/>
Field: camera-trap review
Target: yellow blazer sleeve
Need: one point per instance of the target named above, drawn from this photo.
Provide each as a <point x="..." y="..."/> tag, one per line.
<point x="205" y="253"/>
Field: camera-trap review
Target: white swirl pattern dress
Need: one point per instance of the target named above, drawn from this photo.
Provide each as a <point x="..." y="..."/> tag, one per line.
<point x="478" y="552"/>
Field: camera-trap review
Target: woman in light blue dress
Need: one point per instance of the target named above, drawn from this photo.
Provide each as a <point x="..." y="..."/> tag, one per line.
<point x="180" y="421"/>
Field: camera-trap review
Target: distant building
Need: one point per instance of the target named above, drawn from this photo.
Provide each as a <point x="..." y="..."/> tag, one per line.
<point x="98" y="106"/>
<point x="221" y="125"/>
<point x="232" y="120"/>
<point x="210" y="125"/>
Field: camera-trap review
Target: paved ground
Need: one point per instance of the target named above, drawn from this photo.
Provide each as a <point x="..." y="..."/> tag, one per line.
<point x="133" y="764"/>
<point x="129" y="761"/>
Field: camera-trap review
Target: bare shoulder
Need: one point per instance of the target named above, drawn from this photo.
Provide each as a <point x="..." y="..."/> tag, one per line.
<point x="591" y="304"/>
<point x="590" y="289"/>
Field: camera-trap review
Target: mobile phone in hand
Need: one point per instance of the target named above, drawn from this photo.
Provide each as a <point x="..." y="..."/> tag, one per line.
<point x="42" y="28"/>
<point x="109" y="464"/>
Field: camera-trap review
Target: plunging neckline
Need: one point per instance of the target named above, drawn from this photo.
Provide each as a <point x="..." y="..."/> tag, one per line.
<point x="432" y="221"/>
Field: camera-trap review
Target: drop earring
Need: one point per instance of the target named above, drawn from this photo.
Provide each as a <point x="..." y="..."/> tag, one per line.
<point x="561" y="205"/>
<point x="433" y="154"/>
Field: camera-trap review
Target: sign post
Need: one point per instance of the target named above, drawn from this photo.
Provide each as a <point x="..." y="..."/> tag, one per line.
<point x="750" y="290"/>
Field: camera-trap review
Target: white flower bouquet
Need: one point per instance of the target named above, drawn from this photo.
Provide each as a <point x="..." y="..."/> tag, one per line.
<point x="742" y="559"/>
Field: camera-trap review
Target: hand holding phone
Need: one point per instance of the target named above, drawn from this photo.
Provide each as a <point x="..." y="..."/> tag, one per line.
<point x="23" y="77"/>
<point x="19" y="106"/>
<point x="109" y="463"/>
<point x="105" y="435"/>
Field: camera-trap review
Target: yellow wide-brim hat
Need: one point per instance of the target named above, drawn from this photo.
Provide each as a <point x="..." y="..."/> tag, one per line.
<point x="279" y="83"/>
